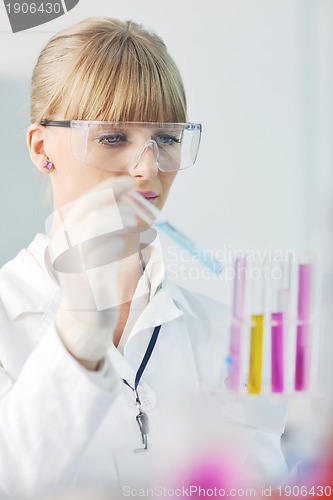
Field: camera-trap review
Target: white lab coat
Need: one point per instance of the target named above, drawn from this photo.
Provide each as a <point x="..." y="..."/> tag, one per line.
<point x="62" y="425"/>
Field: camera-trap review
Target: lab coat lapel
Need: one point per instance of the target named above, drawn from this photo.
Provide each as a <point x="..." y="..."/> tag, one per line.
<point x="160" y="310"/>
<point x="121" y="365"/>
<point x="173" y="347"/>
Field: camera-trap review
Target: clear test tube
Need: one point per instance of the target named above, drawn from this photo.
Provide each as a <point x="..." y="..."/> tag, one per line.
<point x="153" y="216"/>
<point x="277" y="329"/>
<point x="234" y="372"/>
<point x="257" y="329"/>
<point x="304" y="310"/>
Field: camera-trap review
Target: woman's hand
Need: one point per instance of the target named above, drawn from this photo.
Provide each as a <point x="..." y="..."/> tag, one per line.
<point x="93" y="239"/>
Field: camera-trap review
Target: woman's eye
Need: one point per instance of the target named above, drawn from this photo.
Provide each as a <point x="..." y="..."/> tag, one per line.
<point x="166" y="139"/>
<point x="112" y="139"/>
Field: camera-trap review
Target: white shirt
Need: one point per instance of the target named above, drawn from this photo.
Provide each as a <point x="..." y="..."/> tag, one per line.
<point x="62" y="425"/>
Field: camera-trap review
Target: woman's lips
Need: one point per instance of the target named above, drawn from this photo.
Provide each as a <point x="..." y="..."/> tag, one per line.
<point x="149" y="195"/>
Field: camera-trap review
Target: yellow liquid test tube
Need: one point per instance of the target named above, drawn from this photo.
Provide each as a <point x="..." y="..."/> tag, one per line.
<point x="257" y="332"/>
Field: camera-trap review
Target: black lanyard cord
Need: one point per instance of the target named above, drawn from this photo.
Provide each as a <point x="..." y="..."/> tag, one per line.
<point x="142" y="418"/>
<point x="145" y="359"/>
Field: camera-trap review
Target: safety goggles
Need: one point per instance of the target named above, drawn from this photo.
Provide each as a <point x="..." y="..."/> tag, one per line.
<point x="119" y="146"/>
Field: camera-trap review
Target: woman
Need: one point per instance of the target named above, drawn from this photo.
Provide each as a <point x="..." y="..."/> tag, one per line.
<point x="80" y="309"/>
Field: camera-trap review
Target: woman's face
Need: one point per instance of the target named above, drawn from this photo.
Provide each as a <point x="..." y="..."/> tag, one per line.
<point x="71" y="178"/>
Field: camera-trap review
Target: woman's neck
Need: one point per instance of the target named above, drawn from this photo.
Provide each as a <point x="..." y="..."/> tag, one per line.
<point x="130" y="269"/>
<point x="123" y="317"/>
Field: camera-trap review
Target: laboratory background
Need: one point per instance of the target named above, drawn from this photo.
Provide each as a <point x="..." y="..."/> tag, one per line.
<point x="259" y="77"/>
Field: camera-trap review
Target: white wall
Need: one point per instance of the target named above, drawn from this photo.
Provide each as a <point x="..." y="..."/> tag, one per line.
<point x="259" y="77"/>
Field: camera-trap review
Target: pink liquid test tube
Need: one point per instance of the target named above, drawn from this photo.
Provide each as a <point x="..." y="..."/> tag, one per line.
<point x="302" y="364"/>
<point x="277" y="357"/>
<point x="279" y="326"/>
<point x="234" y="373"/>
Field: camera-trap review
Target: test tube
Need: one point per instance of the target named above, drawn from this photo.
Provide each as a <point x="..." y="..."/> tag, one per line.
<point x="278" y="288"/>
<point x="153" y="216"/>
<point x="237" y="324"/>
<point x="277" y="327"/>
<point x="302" y="362"/>
<point x="257" y="333"/>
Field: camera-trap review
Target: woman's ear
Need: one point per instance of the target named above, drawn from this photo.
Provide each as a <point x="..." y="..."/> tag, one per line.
<point x="36" y="145"/>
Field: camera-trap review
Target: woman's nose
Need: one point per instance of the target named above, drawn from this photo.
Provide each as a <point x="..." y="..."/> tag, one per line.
<point x="146" y="162"/>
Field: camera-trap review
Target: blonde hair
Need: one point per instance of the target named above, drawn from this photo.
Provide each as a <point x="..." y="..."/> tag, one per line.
<point x="104" y="69"/>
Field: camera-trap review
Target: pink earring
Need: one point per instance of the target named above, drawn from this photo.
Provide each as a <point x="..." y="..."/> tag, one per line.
<point x="48" y="165"/>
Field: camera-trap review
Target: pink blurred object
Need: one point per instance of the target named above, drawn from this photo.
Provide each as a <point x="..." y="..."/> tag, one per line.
<point x="210" y="474"/>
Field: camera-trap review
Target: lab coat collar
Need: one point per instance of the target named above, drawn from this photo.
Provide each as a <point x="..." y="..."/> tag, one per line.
<point x="178" y="297"/>
<point x="161" y="310"/>
<point x="154" y="266"/>
<point x="156" y="300"/>
<point x="167" y="304"/>
<point x="25" y="278"/>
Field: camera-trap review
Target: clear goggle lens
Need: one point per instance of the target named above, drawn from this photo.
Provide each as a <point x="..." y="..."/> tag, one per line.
<point x="120" y="146"/>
